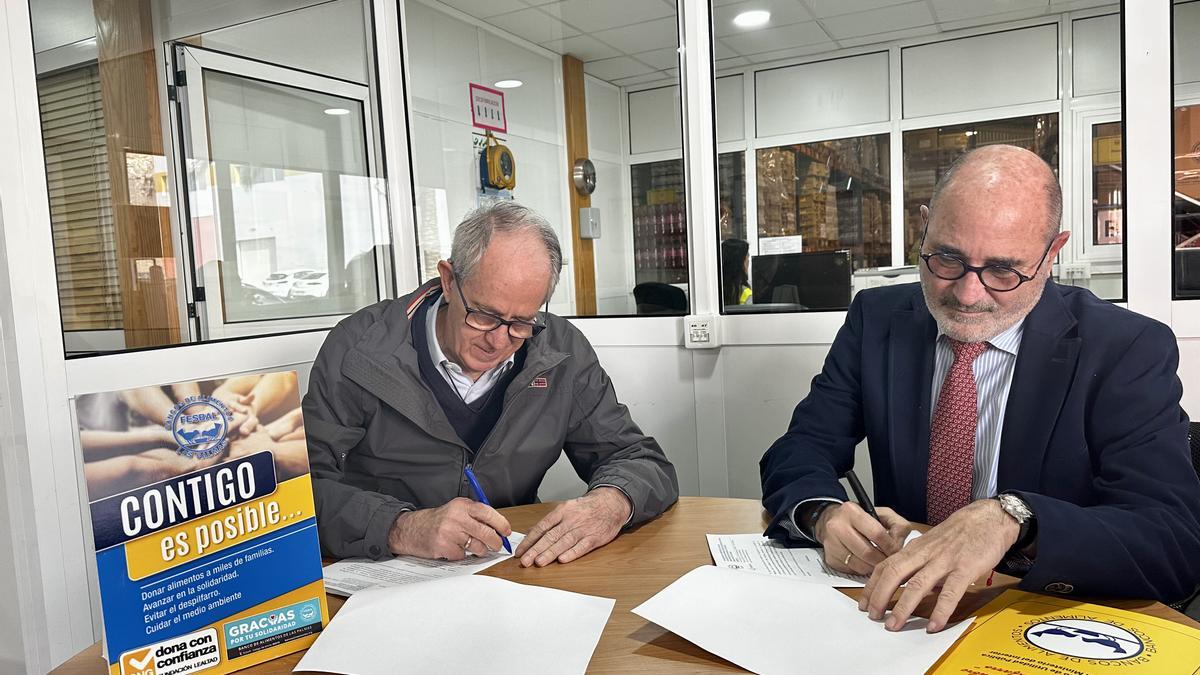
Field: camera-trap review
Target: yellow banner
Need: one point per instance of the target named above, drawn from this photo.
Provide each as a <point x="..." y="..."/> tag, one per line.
<point x="292" y="501"/>
<point x="1023" y="632"/>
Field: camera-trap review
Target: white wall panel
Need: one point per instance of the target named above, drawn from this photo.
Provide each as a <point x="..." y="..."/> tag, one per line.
<point x="654" y="116"/>
<point x="656" y="384"/>
<point x="835" y="93"/>
<point x="1187" y="47"/>
<point x="603" y="117"/>
<point x="1096" y="55"/>
<point x="654" y="120"/>
<point x="987" y="71"/>
<point x="763" y="384"/>
<point x="730" y="108"/>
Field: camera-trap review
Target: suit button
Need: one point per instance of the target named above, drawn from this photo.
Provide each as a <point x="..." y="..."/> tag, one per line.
<point x="1059" y="587"/>
<point x="375" y="551"/>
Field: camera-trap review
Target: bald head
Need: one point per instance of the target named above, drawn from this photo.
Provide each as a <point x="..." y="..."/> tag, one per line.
<point x="1004" y="172"/>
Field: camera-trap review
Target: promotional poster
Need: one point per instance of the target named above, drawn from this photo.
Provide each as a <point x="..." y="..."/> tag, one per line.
<point x="1022" y="632"/>
<point x="204" y="524"/>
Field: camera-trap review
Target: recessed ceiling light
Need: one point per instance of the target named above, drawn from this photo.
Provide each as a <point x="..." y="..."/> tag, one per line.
<point x="336" y="111"/>
<point x="752" y="19"/>
<point x="509" y="84"/>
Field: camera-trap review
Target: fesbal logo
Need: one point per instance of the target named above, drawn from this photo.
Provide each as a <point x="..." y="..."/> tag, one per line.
<point x="1089" y="640"/>
<point x="200" y="425"/>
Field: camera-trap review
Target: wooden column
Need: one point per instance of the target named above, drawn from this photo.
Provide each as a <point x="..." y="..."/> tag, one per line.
<point x="129" y="93"/>
<point x="577" y="148"/>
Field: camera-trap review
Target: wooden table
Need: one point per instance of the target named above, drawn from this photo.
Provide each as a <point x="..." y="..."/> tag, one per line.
<point x="637" y="565"/>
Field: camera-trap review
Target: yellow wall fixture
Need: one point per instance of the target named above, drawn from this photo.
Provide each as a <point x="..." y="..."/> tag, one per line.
<point x="499" y="167"/>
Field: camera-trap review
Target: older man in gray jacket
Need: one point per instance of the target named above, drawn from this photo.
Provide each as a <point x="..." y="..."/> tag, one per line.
<point x="465" y="374"/>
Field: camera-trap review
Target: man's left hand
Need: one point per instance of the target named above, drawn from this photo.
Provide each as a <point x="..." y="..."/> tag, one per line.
<point x="575" y="527"/>
<point x="951" y="556"/>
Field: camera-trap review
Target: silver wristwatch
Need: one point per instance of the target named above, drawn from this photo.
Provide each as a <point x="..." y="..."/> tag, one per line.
<point x="1015" y="507"/>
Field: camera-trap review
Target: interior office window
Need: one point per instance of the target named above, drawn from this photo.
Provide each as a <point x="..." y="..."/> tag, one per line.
<point x="280" y="202"/>
<point x="929" y="153"/>
<point x="610" y="69"/>
<point x="1107" y="186"/>
<point x="1186" y="162"/>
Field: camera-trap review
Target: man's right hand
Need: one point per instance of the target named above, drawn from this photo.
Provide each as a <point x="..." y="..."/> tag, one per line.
<point x="449" y="531"/>
<point x="854" y="541"/>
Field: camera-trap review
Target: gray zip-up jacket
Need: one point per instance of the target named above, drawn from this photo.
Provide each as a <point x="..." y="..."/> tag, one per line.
<point x="379" y="443"/>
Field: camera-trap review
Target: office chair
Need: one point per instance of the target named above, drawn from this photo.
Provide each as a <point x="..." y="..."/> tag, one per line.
<point x="653" y="297"/>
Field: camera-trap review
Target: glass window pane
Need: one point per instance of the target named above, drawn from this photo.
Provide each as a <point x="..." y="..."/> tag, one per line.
<point x="823" y="130"/>
<point x="928" y="154"/>
<point x="823" y="212"/>
<point x="264" y="179"/>
<point x="1187" y="202"/>
<point x="1186" y="163"/>
<point x="626" y="102"/>
<point x="1107" y="185"/>
<point x="302" y="208"/>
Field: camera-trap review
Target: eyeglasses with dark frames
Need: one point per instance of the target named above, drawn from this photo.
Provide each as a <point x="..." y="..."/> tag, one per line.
<point x="1000" y="278"/>
<point x="486" y="321"/>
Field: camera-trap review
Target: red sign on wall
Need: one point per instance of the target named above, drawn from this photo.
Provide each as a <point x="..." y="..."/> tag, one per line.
<point x="487" y="108"/>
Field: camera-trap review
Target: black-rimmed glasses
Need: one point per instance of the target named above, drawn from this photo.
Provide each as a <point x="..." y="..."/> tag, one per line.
<point x="1000" y="278"/>
<point x="487" y="322"/>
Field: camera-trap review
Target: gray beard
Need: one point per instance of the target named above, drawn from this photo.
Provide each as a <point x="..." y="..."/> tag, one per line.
<point x="955" y="330"/>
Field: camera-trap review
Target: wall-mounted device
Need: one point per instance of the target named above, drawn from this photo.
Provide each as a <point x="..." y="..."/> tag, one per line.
<point x="589" y="223"/>
<point x="497" y="166"/>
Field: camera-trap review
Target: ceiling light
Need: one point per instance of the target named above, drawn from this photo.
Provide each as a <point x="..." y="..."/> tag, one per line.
<point x="336" y="111"/>
<point x="752" y="19"/>
<point x="509" y="84"/>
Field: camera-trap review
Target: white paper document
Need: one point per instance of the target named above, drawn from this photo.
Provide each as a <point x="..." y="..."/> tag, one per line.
<point x="769" y="624"/>
<point x="756" y="553"/>
<point x="464" y="624"/>
<point x="349" y="576"/>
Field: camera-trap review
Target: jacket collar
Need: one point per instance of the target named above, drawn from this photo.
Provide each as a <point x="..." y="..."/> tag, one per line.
<point x="384" y="363"/>
<point x="1043" y="374"/>
<point x="1041" y="378"/>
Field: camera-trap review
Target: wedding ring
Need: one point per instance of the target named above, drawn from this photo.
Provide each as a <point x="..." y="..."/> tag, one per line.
<point x="846" y="562"/>
<point x="467" y="546"/>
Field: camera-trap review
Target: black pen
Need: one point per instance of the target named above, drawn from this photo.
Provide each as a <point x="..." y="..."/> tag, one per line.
<point x="861" y="495"/>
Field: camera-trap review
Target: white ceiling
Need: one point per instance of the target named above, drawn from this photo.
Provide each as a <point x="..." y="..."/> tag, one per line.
<point x="633" y="41"/>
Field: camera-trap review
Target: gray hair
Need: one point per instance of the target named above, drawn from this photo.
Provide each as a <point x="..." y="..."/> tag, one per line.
<point x="1051" y="190"/>
<point x="474" y="233"/>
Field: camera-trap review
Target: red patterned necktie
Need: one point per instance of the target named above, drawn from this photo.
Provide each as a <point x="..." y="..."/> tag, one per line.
<point x="952" y="436"/>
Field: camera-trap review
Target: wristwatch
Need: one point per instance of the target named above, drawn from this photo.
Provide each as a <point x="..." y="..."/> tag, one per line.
<point x="1017" y="508"/>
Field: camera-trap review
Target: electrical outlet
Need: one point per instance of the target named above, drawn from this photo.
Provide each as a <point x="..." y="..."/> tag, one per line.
<point x="700" y="332"/>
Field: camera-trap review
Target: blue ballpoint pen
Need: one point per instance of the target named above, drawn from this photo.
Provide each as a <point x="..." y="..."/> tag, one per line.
<point x="483" y="499"/>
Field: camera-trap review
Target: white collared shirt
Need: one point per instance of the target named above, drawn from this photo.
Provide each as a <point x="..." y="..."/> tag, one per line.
<point x="469" y="390"/>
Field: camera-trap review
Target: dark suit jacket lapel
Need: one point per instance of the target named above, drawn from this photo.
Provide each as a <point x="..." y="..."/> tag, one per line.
<point x="910" y="366"/>
<point x="1043" y="374"/>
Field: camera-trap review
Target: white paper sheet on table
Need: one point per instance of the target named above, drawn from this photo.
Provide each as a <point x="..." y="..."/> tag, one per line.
<point x="771" y="624"/>
<point x="756" y="553"/>
<point x="349" y="576"/>
<point x="463" y="624"/>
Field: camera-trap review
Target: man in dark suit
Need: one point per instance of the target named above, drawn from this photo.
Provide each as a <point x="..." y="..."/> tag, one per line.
<point x="1037" y="427"/>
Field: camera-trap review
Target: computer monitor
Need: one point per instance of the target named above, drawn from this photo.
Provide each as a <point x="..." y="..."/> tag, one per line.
<point x="818" y="280"/>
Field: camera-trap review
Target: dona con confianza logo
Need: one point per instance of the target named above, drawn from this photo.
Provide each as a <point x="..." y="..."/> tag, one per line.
<point x="1085" y="639"/>
<point x="199" y="425"/>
